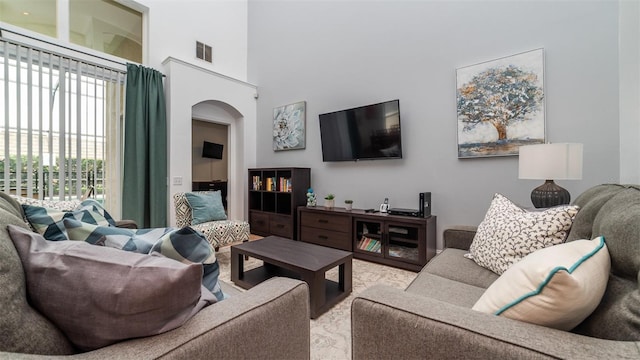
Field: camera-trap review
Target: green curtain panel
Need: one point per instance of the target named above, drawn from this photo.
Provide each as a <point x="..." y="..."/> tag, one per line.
<point x="144" y="192"/>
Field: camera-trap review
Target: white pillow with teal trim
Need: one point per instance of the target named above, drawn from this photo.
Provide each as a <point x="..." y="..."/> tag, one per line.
<point x="557" y="287"/>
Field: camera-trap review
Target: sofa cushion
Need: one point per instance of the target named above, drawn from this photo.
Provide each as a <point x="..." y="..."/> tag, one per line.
<point x="206" y="206"/>
<point x="185" y="245"/>
<point x="98" y="296"/>
<point x="452" y="264"/>
<point x="556" y="287"/>
<point x="49" y="222"/>
<point x="613" y="211"/>
<point x="24" y="329"/>
<point x="224" y="232"/>
<point x="508" y="233"/>
<point x="446" y="290"/>
<point x="63" y="205"/>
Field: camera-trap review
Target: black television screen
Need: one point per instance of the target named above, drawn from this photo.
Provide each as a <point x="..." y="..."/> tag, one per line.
<point x="212" y="150"/>
<point x="362" y="133"/>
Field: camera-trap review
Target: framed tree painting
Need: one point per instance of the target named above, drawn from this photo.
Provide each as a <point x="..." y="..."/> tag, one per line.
<point x="500" y="105"/>
<point x="289" y="126"/>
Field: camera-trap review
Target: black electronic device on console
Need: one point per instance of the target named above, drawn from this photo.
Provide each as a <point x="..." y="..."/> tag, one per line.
<point x="404" y="212"/>
<point x="424" y="204"/>
<point x="424" y="207"/>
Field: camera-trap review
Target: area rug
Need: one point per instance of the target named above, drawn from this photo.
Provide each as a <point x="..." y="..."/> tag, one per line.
<point x="331" y="331"/>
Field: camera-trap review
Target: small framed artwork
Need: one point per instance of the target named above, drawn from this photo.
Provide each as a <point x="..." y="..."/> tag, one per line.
<point x="289" y="126"/>
<point x="500" y="105"/>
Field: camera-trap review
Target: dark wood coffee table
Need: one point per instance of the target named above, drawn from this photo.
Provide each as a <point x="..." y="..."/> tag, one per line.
<point x="298" y="260"/>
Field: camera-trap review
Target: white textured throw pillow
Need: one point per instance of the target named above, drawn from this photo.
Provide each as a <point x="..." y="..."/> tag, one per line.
<point x="556" y="287"/>
<point x="508" y="233"/>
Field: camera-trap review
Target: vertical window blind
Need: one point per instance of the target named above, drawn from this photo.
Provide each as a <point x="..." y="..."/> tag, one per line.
<point x="61" y="132"/>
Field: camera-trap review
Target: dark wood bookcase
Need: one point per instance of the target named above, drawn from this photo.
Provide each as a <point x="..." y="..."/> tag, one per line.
<point x="274" y="195"/>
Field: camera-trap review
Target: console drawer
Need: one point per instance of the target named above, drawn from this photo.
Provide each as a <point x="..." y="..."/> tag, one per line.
<point x="326" y="221"/>
<point x="280" y="226"/>
<point x="334" y="239"/>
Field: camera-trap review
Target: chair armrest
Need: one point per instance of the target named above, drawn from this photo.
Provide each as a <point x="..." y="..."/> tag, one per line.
<point x="388" y="323"/>
<point x="269" y="321"/>
<point x="127" y="224"/>
<point x="459" y="237"/>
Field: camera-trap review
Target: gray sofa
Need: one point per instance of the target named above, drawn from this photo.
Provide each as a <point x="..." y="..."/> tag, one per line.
<point x="432" y="318"/>
<point x="269" y="321"/>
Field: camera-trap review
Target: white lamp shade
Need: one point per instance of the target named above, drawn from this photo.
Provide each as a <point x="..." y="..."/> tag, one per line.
<point x="560" y="161"/>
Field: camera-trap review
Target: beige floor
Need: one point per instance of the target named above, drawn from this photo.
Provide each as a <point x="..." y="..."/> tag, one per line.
<point x="331" y="332"/>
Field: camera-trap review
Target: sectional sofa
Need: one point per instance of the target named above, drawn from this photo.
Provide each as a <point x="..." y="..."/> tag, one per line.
<point x="269" y="321"/>
<point x="433" y="317"/>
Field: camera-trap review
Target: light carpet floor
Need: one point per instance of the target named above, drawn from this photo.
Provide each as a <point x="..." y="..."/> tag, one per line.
<point x="331" y="331"/>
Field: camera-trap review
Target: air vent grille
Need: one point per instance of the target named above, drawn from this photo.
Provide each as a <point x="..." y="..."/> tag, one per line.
<point x="203" y="51"/>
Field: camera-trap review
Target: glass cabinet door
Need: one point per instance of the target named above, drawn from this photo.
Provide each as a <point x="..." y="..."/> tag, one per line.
<point x="403" y="242"/>
<point x="368" y="237"/>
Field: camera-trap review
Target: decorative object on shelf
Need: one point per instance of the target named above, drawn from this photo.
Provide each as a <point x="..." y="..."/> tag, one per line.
<point x="384" y="207"/>
<point x="561" y="161"/>
<point x="311" y="198"/>
<point x="500" y="105"/>
<point x="289" y="126"/>
<point x="348" y="205"/>
<point x="329" y="201"/>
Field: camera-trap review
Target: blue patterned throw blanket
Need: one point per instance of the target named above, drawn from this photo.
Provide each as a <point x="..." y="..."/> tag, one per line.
<point x="91" y="223"/>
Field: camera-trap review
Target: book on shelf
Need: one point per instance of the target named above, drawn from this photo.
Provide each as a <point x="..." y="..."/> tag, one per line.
<point x="368" y="244"/>
<point x="256" y="183"/>
<point x="364" y="242"/>
<point x="284" y="184"/>
<point x="271" y="184"/>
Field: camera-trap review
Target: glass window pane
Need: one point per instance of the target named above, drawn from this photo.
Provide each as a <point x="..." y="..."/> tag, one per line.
<point x="106" y="26"/>
<point x="34" y="15"/>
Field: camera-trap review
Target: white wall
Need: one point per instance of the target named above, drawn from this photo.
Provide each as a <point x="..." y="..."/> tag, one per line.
<point x="175" y="26"/>
<point x="630" y="92"/>
<point x="342" y="54"/>
<point x="173" y="29"/>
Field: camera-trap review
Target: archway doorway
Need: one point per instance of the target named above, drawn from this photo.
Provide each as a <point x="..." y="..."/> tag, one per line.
<point x="189" y="93"/>
<point x="217" y="123"/>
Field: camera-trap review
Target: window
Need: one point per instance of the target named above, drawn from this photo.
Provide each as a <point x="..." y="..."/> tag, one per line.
<point x="106" y="26"/>
<point x="62" y="125"/>
<point x="34" y="15"/>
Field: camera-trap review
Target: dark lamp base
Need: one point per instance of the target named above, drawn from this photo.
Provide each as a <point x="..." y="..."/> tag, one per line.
<point x="549" y="194"/>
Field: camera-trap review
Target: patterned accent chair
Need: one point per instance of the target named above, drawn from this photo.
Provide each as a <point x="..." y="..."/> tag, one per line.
<point x="218" y="233"/>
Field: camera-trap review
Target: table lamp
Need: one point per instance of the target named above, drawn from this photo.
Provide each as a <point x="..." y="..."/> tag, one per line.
<point x="559" y="161"/>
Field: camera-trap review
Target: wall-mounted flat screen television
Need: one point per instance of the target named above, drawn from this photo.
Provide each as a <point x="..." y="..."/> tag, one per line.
<point x="212" y="150"/>
<point x="363" y="133"/>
